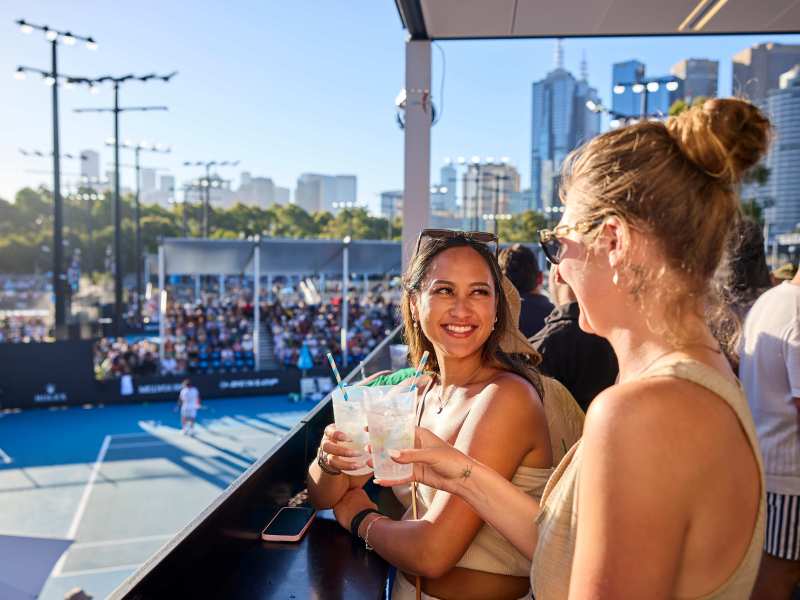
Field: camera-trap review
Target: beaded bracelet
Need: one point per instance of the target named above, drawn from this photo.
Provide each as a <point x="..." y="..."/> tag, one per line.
<point x="369" y="526"/>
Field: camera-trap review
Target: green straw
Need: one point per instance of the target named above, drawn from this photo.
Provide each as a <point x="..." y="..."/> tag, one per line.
<point x="420" y="366"/>
<point x="336" y="374"/>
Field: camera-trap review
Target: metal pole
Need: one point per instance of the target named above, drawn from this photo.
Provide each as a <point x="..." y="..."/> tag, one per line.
<point x="197" y="298"/>
<point x="89" y="243"/>
<point x="345" y="308"/>
<point x="162" y="302"/>
<point x="417" y="143"/>
<point x="60" y="308"/>
<point x="269" y="288"/>
<point x="496" y="201"/>
<point x="257" y="304"/>
<point x="207" y="201"/>
<point x="138" y="247"/>
<point x="322" y="286"/>
<point x="118" y="269"/>
<point x="221" y="285"/>
<point x="366" y="285"/>
<point x="478" y="184"/>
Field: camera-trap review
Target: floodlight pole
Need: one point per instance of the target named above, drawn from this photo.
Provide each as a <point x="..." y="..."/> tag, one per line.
<point x="417" y="151"/>
<point x="117" y="210"/>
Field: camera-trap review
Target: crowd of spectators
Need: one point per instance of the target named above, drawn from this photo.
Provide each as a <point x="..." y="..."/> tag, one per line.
<point x="24" y="292"/>
<point x="23" y="328"/>
<point x="318" y="327"/>
<point x="216" y="334"/>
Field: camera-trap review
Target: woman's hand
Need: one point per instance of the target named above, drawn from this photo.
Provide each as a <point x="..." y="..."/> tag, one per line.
<point x="436" y="463"/>
<point x="335" y="454"/>
<point x="352" y="503"/>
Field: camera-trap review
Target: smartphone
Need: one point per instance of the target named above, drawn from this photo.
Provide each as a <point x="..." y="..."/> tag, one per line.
<point x="289" y="524"/>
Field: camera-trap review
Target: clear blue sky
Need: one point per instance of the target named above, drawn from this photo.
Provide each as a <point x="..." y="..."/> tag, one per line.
<point x="288" y="87"/>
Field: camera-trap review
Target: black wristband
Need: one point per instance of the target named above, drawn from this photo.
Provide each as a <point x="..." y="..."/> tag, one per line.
<point x="356" y="522"/>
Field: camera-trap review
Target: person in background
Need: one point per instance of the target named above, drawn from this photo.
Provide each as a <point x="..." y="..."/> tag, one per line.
<point x="783" y="273"/>
<point x="742" y="279"/>
<point x="583" y="362"/>
<point x="770" y="373"/>
<point x="518" y="263"/>
<point x="189" y="403"/>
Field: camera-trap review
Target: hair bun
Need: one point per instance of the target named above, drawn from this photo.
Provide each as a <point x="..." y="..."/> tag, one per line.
<point x="724" y="137"/>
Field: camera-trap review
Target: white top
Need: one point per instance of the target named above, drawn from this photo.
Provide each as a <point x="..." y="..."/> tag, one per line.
<point x="190" y="398"/>
<point x="770" y="373"/>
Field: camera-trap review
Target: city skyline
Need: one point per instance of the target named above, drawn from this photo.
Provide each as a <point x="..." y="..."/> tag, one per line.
<point x="296" y="99"/>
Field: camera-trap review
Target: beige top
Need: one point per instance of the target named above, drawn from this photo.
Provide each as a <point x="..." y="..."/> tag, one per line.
<point x="558" y="518"/>
<point x="489" y="551"/>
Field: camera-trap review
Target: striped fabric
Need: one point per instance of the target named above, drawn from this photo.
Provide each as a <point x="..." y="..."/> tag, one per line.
<point x="783" y="526"/>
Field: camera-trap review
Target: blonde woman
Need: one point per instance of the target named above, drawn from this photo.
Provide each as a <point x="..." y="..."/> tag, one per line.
<point x="663" y="497"/>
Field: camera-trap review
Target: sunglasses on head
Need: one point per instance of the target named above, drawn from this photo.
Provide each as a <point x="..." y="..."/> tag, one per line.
<point x="482" y="237"/>
<point x="551" y="244"/>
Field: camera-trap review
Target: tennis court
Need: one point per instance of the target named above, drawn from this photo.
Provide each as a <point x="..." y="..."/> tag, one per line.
<point x="122" y="480"/>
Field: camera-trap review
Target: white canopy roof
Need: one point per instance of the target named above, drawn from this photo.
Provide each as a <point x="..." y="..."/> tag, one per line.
<point x="458" y="19"/>
<point x="192" y="256"/>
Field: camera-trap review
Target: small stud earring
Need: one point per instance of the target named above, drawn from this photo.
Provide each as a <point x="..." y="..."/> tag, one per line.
<point x="615" y="278"/>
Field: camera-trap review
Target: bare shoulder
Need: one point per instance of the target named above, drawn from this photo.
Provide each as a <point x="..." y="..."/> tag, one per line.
<point x="511" y="394"/>
<point x="660" y="417"/>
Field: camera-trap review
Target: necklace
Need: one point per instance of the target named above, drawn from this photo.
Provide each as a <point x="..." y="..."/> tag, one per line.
<point x="673" y="350"/>
<point x="443" y="402"/>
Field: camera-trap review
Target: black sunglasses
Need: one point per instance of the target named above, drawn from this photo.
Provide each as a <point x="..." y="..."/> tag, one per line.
<point x="551" y="244"/>
<point x="482" y="237"/>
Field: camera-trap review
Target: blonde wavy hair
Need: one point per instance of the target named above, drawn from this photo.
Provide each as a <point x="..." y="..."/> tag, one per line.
<point x="677" y="182"/>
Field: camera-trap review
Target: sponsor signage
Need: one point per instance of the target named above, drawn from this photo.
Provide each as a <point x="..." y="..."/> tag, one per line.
<point x="50" y="394"/>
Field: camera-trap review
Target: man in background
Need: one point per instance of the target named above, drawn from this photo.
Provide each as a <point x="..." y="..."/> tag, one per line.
<point x="583" y="363"/>
<point x="189" y="404"/>
<point x="769" y="369"/>
<point x="518" y="263"/>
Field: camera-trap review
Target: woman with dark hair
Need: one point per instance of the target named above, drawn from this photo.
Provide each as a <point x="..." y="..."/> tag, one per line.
<point x="480" y="392"/>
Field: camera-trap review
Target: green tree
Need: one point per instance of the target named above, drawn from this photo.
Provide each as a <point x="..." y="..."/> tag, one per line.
<point x="522" y="228"/>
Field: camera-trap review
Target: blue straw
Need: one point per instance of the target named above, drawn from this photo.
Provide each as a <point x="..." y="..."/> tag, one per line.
<point x="336" y="374"/>
<point x="420" y="366"/>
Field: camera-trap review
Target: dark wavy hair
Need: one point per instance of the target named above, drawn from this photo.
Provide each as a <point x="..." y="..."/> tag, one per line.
<point x="521" y="364"/>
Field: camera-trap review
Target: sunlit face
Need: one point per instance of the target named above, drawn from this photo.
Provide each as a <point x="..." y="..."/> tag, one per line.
<point x="586" y="272"/>
<point x="456" y="303"/>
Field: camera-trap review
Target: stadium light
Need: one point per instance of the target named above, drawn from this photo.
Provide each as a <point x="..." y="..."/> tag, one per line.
<point x="51" y="78"/>
<point x="116" y="109"/>
<point x="207" y="184"/>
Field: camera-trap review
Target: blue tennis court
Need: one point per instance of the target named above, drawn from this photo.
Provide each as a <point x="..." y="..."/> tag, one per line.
<point x="122" y="480"/>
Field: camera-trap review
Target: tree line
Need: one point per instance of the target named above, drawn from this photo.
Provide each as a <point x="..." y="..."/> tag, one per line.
<point x="26" y="227"/>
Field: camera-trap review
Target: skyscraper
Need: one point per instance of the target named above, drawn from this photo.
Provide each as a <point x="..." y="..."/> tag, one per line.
<point x="757" y="69"/>
<point x="560" y="122"/>
<point x="448" y="179"/>
<point x="391" y="204"/>
<point x="147" y="180"/>
<point x="634" y="95"/>
<point x="488" y="190"/>
<point x="783" y="106"/>
<point x="90" y="165"/>
<point x="316" y="192"/>
<point x="624" y="74"/>
<point x="699" y="76"/>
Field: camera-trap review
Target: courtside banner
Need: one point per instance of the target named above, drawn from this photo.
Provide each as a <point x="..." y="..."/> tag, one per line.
<point x="46" y="374"/>
<point x="41" y="375"/>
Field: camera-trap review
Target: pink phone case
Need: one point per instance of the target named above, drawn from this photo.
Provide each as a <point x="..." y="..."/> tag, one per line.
<point x="270" y="537"/>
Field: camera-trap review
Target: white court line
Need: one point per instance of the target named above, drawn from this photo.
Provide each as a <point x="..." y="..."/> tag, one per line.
<point x="5" y="458"/>
<point x="133" y="540"/>
<point x="128" y="435"/>
<point x="98" y="570"/>
<point x="138" y="445"/>
<point x="84" y="501"/>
